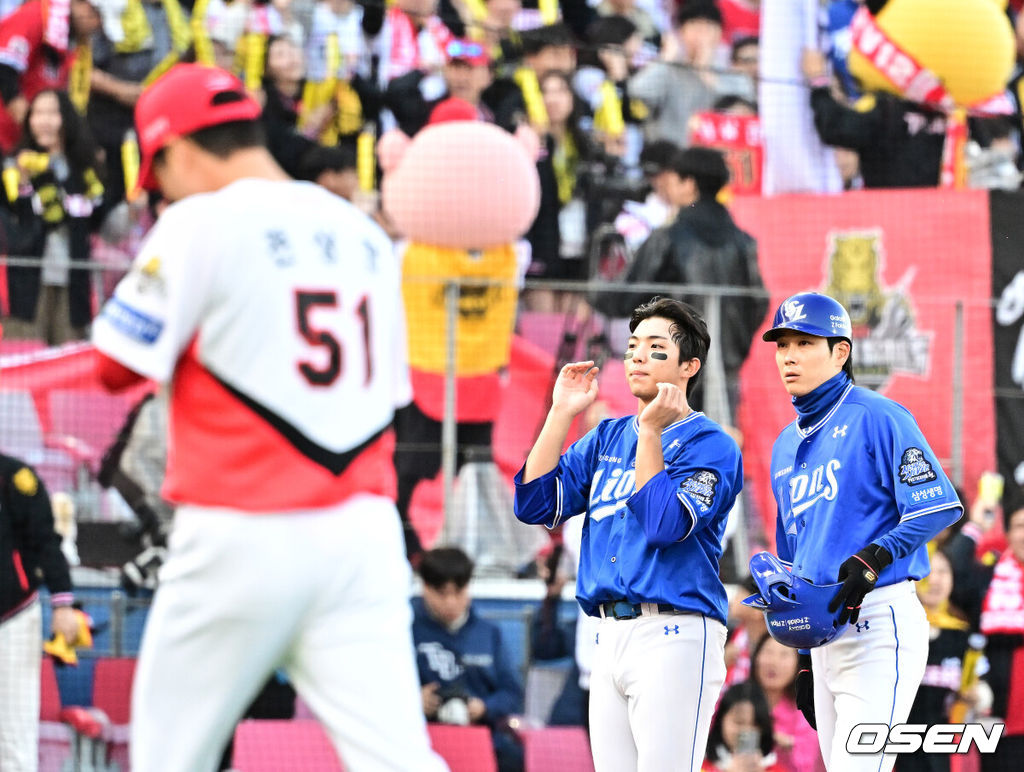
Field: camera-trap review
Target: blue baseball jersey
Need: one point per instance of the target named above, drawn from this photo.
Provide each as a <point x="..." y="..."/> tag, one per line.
<point x="660" y="544"/>
<point x="862" y="473"/>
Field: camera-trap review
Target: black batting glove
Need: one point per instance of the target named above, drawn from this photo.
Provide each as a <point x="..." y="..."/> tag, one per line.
<point x="805" y="690"/>
<point x="858" y="573"/>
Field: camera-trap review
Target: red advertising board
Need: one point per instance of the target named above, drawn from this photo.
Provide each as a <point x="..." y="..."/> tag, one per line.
<point x="900" y="261"/>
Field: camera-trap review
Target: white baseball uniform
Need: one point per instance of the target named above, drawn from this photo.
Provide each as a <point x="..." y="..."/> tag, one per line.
<point x="273" y="310"/>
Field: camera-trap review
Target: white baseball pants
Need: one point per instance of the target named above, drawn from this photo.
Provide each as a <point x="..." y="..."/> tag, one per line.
<point x="870" y="675"/>
<point x="21" y="653"/>
<point x="653" y="690"/>
<point x="323" y="594"/>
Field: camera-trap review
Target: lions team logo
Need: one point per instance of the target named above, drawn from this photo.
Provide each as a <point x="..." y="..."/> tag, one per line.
<point x="793" y="311"/>
<point x="701" y="486"/>
<point x="885" y="334"/>
<point x="915" y="469"/>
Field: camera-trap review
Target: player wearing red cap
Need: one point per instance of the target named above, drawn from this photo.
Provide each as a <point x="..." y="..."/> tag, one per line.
<point x="273" y="311"/>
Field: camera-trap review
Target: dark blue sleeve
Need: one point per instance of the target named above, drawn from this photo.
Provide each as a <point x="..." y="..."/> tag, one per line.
<point x="697" y="485"/>
<point x="564" y="491"/>
<point x="925" y="498"/>
<point x="913" y="533"/>
<point x="782" y="546"/>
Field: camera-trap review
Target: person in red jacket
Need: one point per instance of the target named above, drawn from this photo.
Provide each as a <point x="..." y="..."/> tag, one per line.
<point x="38" y="43"/>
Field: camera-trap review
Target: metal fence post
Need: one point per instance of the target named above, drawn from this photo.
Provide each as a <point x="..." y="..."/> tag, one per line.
<point x="448" y="425"/>
<point x="117" y="614"/>
<point x="957" y="429"/>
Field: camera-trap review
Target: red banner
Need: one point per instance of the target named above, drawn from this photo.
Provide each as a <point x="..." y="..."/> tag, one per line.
<point x="900" y="261"/>
<point x="739" y="139"/>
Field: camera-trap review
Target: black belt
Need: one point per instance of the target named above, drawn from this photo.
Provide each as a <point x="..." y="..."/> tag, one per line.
<point x="623" y="609"/>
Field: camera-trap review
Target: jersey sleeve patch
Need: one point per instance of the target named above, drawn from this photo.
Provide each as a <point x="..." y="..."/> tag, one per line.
<point x="132" y="322"/>
<point x="915" y="469"/>
<point x="701" y="487"/>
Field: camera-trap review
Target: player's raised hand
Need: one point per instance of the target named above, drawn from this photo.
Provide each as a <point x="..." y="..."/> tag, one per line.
<point x="666" y="408"/>
<point x="576" y="388"/>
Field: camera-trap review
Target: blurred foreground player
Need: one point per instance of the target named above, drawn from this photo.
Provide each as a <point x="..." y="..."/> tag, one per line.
<point x="29" y="555"/>
<point x="272" y="309"/>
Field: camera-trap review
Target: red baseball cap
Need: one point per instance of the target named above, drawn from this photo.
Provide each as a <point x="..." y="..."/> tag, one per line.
<point x="453" y="109"/>
<point x="188" y="97"/>
<point x="459" y="49"/>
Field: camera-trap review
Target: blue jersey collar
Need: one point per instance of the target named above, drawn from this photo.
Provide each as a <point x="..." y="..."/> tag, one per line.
<point x="635" y="423"/>
<point x="815" y="409"/>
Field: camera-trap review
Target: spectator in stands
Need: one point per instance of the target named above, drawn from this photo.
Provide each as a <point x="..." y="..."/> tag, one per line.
<point x="283" y="78"/>
<point x="960" y="543"/>
<point x="741" y="733"/>
<point x="516" y="99"/>
<point x="774" y="668"/>
<point x="638" y="219"/>
<point x="682" y="82"/>
<point x="1002" y="622"/>
<point x="275" y="18"/>
<point x="746" y="629"/>
<point x="465" y="671"/>
<point x="60" y="203"/>
<point x="704" y="246"/>
<point x="744" y="56"/>
<point x="498" y="32"/>
<point x="558" y="235"/>
<point x="30" y="555"/>
<point x="351" y="24"/>
<point x="333" y="168"/>
<point x="943" y="674"/>
<point x="137" y="41"/>
<point x="466" y="73"/>
<point x="602" y="81"/>
<point x="38" y="44"/>
<point x="226" y="20"/>
<point x="346" y="27"/>
<point x="413" y="38"/>
<point x="899" y="142"/>
<point x="629" y="9"/>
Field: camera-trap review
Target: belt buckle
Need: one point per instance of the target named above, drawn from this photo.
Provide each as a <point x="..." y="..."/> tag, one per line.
<point x="624" y="610"/>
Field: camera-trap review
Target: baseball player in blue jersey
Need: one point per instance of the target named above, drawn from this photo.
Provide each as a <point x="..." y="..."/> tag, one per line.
<point x="859" y="494"/>
<point x="656" y="490"/>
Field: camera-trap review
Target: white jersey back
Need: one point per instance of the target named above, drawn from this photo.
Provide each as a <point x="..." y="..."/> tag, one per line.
<point x="274" y="308"/>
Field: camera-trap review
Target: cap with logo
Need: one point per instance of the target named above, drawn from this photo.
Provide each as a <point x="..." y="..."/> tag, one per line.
<point x="187" y="98"/>
<point x="469" y="51"/>
<point x="812" y="314"/>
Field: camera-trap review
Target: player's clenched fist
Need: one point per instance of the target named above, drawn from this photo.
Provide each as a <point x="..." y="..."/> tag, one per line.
<point x="575" y="388"/>
<point x="667" y="407"/>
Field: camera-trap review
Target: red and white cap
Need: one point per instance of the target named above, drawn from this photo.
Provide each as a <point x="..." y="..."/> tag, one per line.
<point x="188" y="97"/>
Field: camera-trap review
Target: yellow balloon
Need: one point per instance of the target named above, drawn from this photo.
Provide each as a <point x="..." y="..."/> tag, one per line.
<point x="968" y="44"/>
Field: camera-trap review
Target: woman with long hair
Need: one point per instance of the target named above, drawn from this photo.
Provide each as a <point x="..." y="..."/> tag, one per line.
<point x="741" y="733"/>
<point x="773" y="667"/>
<point x="58" y="205"/>
<point x="558" y="235"/>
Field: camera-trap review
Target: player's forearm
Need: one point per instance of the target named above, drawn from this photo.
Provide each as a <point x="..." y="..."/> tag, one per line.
<point x="915" y="532"/>
<point x="649" y="457"/>
<point x="547" y="450"/>
<point x="660" y="514"/>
